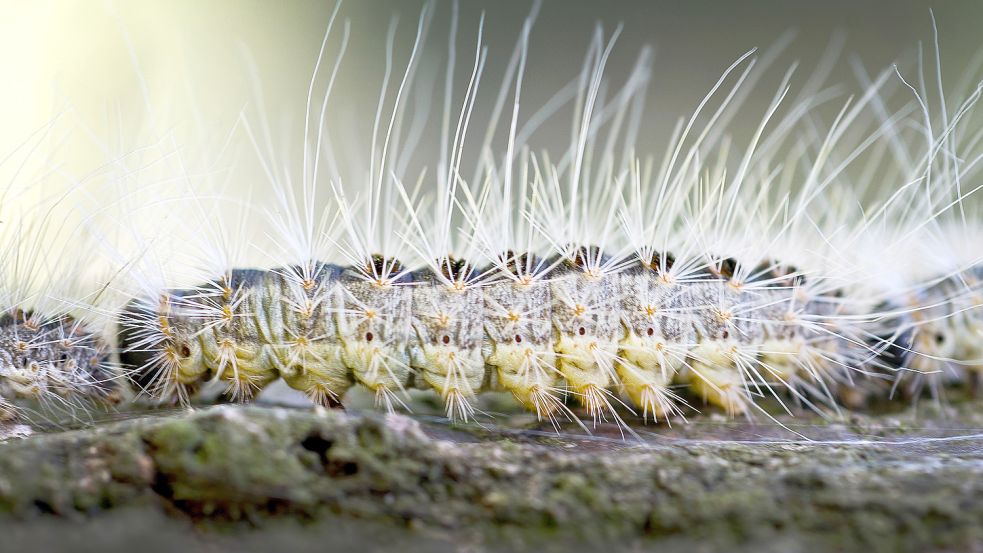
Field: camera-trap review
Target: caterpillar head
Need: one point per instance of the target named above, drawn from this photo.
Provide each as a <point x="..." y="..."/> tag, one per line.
<point x="160" y="348"/>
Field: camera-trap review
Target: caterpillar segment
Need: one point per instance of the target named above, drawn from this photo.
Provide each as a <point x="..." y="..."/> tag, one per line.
<point x="447" y="317"/>
<point x="723" y="367"/>
<point x="52" y="360"/>
<point x="765" y="332"/>
<point x="831" y="357"/>
<point x="305" y="346"/>
<point x="658" y="335"/>
<point x="374" y="327"/>
<point x="518" y="326"/>
<point x="237" y="341"/>
<point x="801" y="359"/>
<point x="802" y="351"/>
<point x="587" y="326"/>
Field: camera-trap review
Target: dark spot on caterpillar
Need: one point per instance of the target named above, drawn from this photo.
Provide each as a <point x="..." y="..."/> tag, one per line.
<point x="650" y="331"/>
<point x="383" y="268"/>
<point x="586" y="257"/>
<point x="725" y="268"/>
<point x="581" y="331"/>
<point x="185" y="351"/>
<point x="939" y="338"/>
<point x="518" y="339"/>
<point x="792" y="274"/>
<point x="659" y="262"/>
<point x="456" y="270"/>
<point x="521" y="264"/>
<point x="726" y="335"/>
<point x="369" y="336"/>
<point x="777" y="274"/>
<point x="446" y="339"/>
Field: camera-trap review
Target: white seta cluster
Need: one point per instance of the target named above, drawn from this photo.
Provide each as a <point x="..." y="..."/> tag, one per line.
<point x="55" y="359"/>
<point x="826" y="256"/>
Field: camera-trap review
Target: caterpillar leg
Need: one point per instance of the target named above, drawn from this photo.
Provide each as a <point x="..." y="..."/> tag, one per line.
<point x="455" y="374"/>
<point x="588" y="370"/>
<point x="322" y="376"/>
<point x="649" y="390"/>
<point x="714" y="376"/>
<point x="380" y="369"/>
<point x="8" y="411"/>
<point x="245" y="368"/>
<point x="532" y="378"/>
<point x="523" y="371"/>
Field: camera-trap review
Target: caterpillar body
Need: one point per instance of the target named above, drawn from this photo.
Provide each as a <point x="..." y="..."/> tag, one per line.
<point x="639" y="330"/>
<point x="587" y="279"/>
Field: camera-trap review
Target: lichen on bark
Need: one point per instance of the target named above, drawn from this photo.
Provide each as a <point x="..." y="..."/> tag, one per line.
<point x="889" y="483"/>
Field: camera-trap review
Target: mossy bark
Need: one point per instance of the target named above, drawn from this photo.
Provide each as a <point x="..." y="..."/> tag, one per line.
<point x="234" y="467"/>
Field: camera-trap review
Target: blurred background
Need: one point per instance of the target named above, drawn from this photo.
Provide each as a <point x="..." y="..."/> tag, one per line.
<point x="102" y="58"/>
<point x="118" y="76"/>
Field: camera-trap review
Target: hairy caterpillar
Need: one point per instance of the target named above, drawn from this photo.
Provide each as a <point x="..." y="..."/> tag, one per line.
<point x="52" y="347"/>
<point x="714" y="276"/>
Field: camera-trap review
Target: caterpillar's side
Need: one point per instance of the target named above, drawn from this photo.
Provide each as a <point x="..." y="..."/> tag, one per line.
<point x="593" y="278"/>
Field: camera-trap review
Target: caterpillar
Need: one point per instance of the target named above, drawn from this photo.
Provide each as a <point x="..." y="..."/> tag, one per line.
<point x="598" y="277"/>
<point x="54" y="353"/>
<point x="254" y="326"/>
